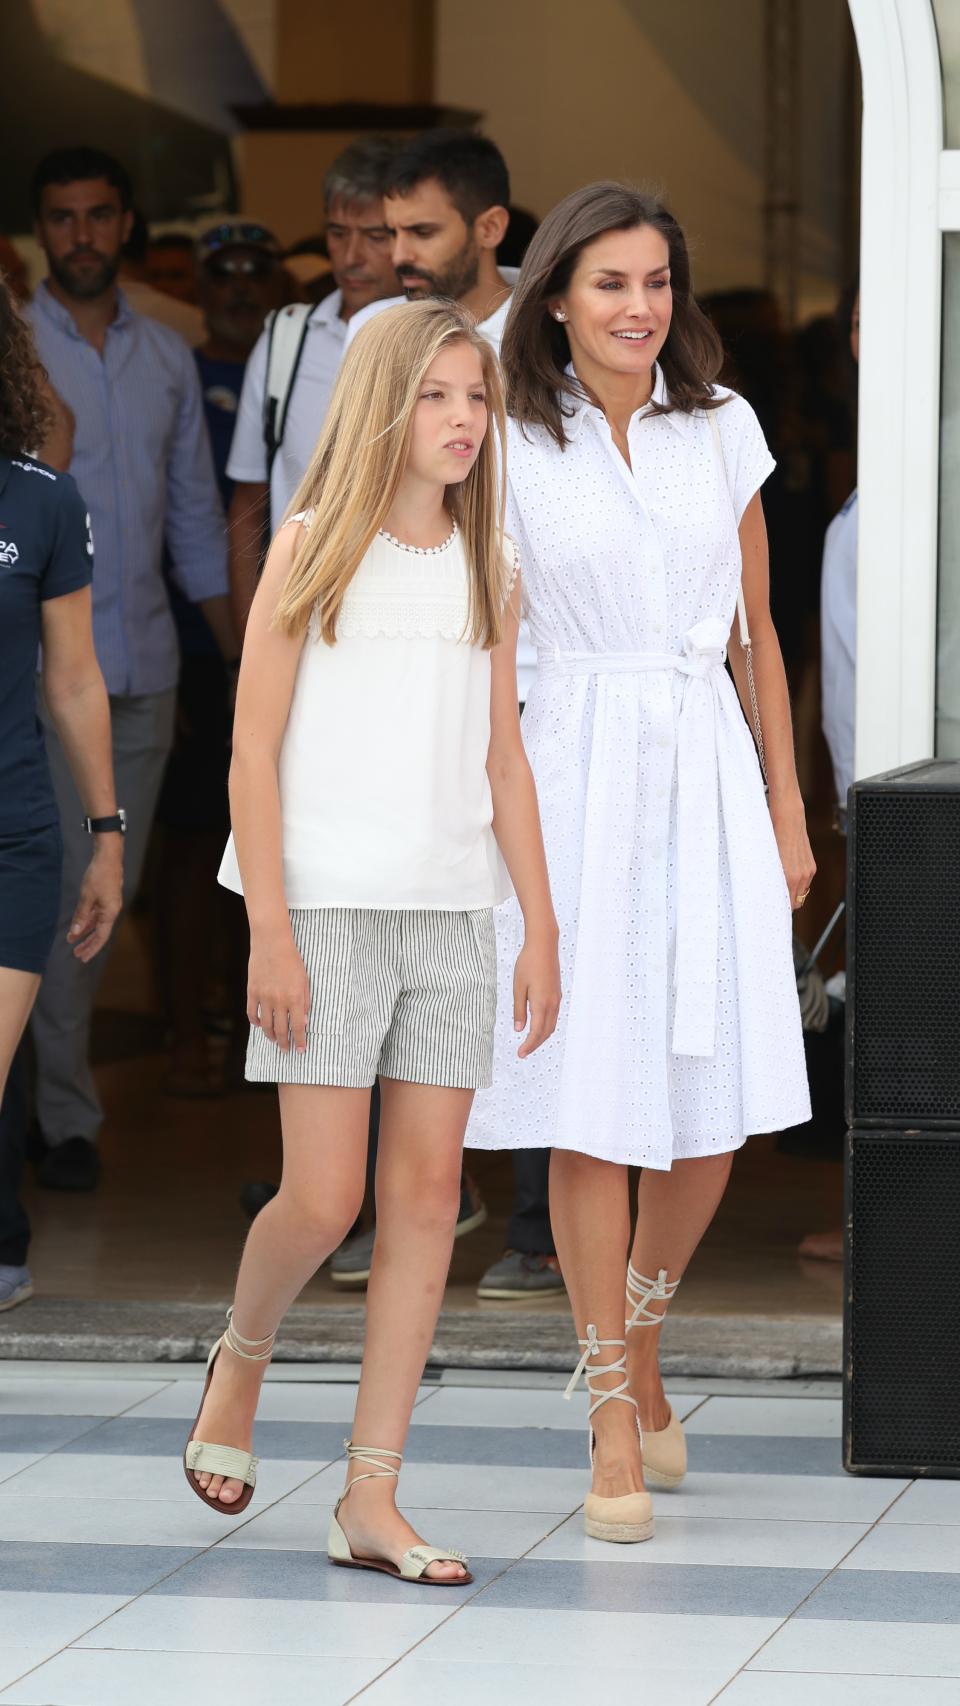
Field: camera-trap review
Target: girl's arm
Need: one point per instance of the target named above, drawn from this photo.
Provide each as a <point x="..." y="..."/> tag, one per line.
<point x="79" y="709"/>
<point x="278" y="995"/>
<point x="516" y="825"/>
<point x="773" y="700"/>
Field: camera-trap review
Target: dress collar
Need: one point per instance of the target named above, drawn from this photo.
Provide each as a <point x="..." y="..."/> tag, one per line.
<point x="577" y="406"/>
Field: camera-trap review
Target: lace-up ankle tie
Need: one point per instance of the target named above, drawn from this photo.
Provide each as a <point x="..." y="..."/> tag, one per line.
<point x="251" y="1350"/>
<point x="642" y="1291"/>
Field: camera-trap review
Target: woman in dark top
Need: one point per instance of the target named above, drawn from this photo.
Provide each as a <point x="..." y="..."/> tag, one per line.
<point x="46" y="564"/>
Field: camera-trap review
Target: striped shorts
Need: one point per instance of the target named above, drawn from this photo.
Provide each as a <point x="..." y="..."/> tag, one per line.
<point x="409" y="995"/>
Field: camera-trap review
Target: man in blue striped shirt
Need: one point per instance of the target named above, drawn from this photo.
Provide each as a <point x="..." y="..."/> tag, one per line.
<point x="142" y="462"/>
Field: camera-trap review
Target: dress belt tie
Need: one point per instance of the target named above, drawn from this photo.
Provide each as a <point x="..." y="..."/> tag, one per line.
<point x="698" y="813"/>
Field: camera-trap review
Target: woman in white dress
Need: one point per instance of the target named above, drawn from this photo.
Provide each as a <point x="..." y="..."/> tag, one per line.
<point x="633" y="497"/>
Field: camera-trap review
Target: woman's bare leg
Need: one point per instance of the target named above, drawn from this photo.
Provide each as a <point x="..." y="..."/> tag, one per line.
<point x="418" y="1197"/>
<point x="324" y="1164"/>
<point x="590" y="1216"/>
<point x="673" y="1212"/>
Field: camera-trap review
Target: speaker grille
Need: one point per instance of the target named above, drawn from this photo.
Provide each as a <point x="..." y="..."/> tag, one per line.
<point x="902" y="1350"/>
<point x="905" y="957"/>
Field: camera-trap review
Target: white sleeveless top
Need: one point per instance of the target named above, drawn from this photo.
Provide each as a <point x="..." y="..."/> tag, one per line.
<point x="384" y="795"/>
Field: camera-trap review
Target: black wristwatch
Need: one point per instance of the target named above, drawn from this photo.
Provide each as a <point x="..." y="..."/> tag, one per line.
<point x="117" y="822"/>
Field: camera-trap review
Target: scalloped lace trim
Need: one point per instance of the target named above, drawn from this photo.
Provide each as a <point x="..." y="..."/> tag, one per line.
<point x="404" y="619"/>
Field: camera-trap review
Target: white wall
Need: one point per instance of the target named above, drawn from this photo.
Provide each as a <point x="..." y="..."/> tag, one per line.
<point x="670" y="95"/>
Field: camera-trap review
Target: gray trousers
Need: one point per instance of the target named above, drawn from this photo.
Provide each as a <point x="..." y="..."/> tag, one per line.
<point x="142" y="734"/>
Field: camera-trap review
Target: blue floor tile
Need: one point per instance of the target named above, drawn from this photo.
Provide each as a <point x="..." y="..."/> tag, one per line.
<point x="269" y="1574"/>
<point x="888" y="1596"/>
<point x="692" y="1589"/>
<point x="32" y="1566"/>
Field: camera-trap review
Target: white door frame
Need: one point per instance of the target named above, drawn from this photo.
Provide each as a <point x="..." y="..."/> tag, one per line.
<point x="899" y="428"/>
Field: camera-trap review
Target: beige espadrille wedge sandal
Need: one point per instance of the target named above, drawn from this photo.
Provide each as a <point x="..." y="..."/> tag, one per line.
<point x="665" y="1450"/>
<point x="629" y="1517"/>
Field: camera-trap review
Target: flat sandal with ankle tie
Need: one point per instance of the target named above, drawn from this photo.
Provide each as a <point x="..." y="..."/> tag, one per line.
<point x="664" y="1449"/>
<point x="199" y="1458"/>
<point x="629" y="1517"/>
<point x="417" y="1559"/>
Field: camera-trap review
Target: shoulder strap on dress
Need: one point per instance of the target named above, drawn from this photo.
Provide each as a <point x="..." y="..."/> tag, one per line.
<point x="741" y="603"/>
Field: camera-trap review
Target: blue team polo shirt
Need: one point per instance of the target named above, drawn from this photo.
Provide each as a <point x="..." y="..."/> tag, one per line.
<point x="45" y="551"/>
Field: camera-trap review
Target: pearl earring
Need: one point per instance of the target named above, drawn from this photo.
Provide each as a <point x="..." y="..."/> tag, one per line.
<point x="560" y="314"/>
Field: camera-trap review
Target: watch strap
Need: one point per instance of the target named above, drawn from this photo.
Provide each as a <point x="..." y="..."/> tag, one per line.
<point x="116" y="822"/>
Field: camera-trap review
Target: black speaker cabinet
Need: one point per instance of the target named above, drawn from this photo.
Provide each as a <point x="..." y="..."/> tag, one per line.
<point x="901" y="1388"/>
<point x="902" y="1297"/>
<point x="903" y="949"/>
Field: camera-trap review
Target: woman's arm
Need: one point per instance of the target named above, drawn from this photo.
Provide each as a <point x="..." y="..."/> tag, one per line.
<point x="77" y="700"/>
<point x="277" y="991"/>
<point x="516" y="825"/>
<point x="773" y="700"/>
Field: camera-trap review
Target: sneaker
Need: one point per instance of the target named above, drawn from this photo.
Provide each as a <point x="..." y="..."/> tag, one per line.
<point x="255" y="1194"/>
<point x="350" y="1265"/>
<point x="70" y="1166"/>
<point x="16" y="1286"/>
<point x="518" y="1274"/>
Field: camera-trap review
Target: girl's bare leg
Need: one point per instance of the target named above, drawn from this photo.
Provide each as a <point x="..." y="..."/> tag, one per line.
<point x="324" y="1165"/>
<point x="590" y="1216"/>
<point x="673" y="1212"/>
<point x="418" y="1197"/>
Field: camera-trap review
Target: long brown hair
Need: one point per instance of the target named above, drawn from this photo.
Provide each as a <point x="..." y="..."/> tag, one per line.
<point x="535" y="351"/>
<point x="24" y="412"/>
<point x="358" y="464"/>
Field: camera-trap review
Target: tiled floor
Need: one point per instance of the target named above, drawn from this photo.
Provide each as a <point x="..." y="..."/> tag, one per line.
<point x="774" y="1579"/>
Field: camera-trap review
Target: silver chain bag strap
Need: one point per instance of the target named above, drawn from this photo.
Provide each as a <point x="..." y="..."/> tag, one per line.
<point x="745" y="641"/>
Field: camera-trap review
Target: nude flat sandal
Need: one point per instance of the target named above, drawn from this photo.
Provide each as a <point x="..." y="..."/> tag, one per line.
<point x="417" y="1559"/>
<point x="225" y="1460"/>
<point x="629" y="1517"/>
<point x="664" y="1449"/>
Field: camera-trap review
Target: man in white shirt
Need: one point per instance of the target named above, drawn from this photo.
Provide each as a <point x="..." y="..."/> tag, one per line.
<point x="838" y="630"/>
<point x="446" y="204"/>
<point x="838" y="624"/>
<point x="359" y="248"/>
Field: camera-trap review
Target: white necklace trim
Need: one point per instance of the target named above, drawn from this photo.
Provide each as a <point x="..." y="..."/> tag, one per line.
<point x="420" y="550"/>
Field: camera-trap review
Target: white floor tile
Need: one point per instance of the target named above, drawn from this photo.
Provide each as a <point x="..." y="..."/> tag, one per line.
<point x="13" y="1462"/>
<point x="700" y="1540"/>
<point x="293" y="1401"/>
<point x="752" y="1688"/>
<point x="477" y="1407"/>
<point x="110" y="1522"/>
<point x="481" y="1534"/>
<point x="295" y="1628"/>
<point x="824" y="1645"/>
<point x="51" y="1619"/>
<point x="57" y="1397"/>
<point x="927" y="1501"/>
<point x="905" y="1546"/>
<point x="16" y="1661"/>
<point x="416" y="1681"/>
<point x="79" y="1678"/>
<point x="69" y="1475"/>
<point x="797" y="1418"/>
<point x="796" y="1498"/>
<point x="446" y="1486"/>
<point x="645" y="1640"/>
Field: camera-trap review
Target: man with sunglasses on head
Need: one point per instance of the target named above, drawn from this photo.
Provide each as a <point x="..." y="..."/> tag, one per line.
<point x="273" y="444"/>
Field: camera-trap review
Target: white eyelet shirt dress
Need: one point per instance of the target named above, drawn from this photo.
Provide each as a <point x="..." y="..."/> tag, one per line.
<point x="680" y="1032"/>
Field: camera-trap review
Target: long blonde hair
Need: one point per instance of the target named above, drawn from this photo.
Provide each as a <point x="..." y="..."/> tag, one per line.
<point x="360" y="459"/>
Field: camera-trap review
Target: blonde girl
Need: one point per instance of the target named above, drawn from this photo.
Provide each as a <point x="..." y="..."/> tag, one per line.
<point x="381" y="805"/>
